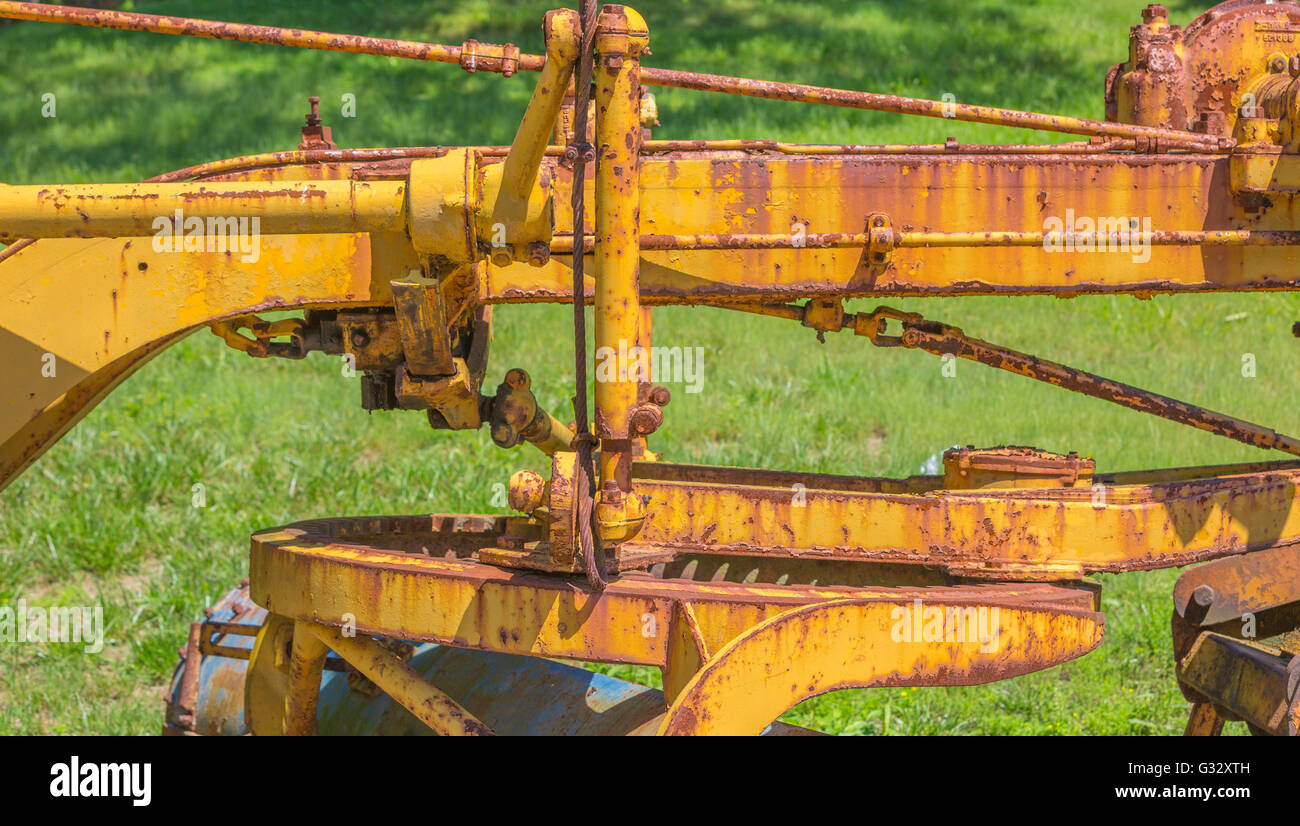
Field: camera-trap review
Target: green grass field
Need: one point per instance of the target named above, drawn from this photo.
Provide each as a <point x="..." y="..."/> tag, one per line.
<point x="106" y="518"/>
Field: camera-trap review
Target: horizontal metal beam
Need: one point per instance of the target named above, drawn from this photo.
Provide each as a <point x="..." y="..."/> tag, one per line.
<point x="507" y="59"/>
<point x="1048" y="533"/>
<point x="176" y="211"/>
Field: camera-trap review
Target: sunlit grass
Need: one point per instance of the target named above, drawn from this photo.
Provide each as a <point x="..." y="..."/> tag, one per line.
<point x="106" y="516"/>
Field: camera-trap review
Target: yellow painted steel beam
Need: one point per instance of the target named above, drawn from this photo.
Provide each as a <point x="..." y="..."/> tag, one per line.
<point x="1005" y="534"/>
<point x="78" y="315"/>
<point x="401" y="682"/>
<point x="621" y="37"/>
<point x="306" y="664"/>
<point x="118" y="310"/>
<point x="828" y="646"/>
<point x="523" y="162"/>
<point x="317" y="572"/>
<point x="266" y="684"/>
<point x="180" y="210"/>
<point x="971" y="195"/>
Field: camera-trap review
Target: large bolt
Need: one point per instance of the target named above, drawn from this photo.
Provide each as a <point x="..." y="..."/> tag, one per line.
<point x="645" y="419"/>
<point x="1155" y="13"/>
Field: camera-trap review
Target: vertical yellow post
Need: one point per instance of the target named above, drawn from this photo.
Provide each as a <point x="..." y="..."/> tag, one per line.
<point x="621" y="37"/>
<point x="306" y="663"/>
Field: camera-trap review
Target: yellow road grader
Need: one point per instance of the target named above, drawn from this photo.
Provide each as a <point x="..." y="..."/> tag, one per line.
<point x="752" y="590"/>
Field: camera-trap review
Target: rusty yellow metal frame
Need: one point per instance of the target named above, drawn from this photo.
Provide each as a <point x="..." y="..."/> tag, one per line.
<point x="1250" y="681"/>
<point x="483" y="225"/>
<point x="1120" y="522"/>
<point x="324" y="571"/>
<point x="769" y="668"/>
<point x="621" y="37"/>
<point x="137" y="297"/>
<point x="330" y="574"/>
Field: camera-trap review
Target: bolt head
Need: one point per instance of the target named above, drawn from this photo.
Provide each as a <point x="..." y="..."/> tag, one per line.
<point x="660" y="395"/>
<point x="539" y="253"/>
<point x="1155" y="13"/>
<point x="1203" y="595"/>
<point x="646" y="420"/>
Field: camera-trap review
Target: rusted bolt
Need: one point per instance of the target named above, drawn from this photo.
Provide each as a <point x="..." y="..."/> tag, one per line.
<point x="360" y="338"/>
<point x="502" y="258"/>
<point x="1203" y="596"/>
<point x="579" y="150"/>
<point x="313" y="117"/>
<point x="645" y="419"/>
<point x="660" y="395"/>
<point x="527" y="491"/>
<point x="1155" y="13"/>
<point x="1277" y="65"/>
<point x="539" y="253"/>
<point x="611" y="494"/>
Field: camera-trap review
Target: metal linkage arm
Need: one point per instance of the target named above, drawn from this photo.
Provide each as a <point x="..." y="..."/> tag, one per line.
<point x="945" y="340"/>
<point x="941" y="339"/>
<point x="507" y="60"/>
